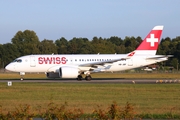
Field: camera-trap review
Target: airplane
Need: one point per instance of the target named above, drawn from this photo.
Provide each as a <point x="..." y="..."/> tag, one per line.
<point x="74" y="66"/>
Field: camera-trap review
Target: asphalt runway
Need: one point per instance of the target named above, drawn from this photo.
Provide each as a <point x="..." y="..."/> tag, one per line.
<point x="102" y="80"/>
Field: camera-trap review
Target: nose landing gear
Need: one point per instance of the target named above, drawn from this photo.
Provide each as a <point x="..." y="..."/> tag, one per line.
<point x="22" y="74"/>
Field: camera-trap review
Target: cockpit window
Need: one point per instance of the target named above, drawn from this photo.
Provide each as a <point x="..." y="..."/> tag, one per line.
<point x="17" y="60"/>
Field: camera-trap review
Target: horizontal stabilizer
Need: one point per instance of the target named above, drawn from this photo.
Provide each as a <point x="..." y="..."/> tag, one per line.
<point x="159" y="56"/>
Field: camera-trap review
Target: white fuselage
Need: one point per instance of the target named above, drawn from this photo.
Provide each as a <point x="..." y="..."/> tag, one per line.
<point x="49" y="63"/>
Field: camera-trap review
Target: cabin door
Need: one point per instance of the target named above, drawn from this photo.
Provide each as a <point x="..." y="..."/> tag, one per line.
<point x="32" y="61"/>
<point x="130" y="62"/>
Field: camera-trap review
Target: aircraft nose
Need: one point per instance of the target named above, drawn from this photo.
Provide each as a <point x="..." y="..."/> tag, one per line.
<point x="9" y="67"/>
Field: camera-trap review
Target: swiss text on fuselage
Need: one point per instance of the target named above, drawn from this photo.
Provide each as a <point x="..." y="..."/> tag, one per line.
<point x="52" y="60"/>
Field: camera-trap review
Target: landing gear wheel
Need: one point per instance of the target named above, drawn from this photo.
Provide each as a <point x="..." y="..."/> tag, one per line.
<point x="22" y="74"/>
<point x="79" y="78"/>
<point x="88" y="78"/>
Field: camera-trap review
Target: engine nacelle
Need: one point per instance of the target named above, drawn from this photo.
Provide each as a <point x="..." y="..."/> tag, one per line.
<point x="68" y="72"/>
<point x="64" y="72"/>
<point x="52" y="75"/>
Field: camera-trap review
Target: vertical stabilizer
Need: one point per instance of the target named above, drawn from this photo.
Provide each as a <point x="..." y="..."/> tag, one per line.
<point x="151" y="42"/>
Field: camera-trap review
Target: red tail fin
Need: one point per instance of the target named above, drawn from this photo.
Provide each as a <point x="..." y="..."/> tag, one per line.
<point x="150" y="44"/>
<point x="152" y="40"/>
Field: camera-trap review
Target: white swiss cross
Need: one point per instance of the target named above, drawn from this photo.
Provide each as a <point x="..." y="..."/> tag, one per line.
<point x="152" y="40"/>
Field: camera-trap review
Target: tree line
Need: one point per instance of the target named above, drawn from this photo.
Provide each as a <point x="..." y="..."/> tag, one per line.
<point x="27" y="42"/>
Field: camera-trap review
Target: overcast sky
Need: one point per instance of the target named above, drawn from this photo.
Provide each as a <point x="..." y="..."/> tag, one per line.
<point x="53" y="19"/>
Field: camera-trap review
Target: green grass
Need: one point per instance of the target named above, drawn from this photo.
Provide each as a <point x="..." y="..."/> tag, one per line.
<point x="146" y="98"/>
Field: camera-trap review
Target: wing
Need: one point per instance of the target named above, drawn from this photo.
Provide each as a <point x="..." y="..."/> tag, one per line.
<point x="100" y="65"/>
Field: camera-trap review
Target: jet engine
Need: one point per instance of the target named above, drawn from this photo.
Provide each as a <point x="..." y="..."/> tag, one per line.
<point x="68" y="72"/>
<point x="64" y="72"/>
<point x="52" y="75"/>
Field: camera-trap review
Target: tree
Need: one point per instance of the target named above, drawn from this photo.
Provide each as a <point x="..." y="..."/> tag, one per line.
<point x="174" y="45"/>
<point x="175" y="63"/>
<point x="102" y="46"/>
<point x="177" y="51"/>
<point x="87" y="48"/>
<point x="62" y="46"/>
<point x="1" y="55"/>
<point x="130" y="44"/>
<point x="164" y="46"/>
<point x="47" y="47"/>
<point x="26" y="42"/>
<point x="9" y="53"/>
<point x="73" y="46"/>
<point x="138" y="41"/>
<point x="120" y="49"/>
<point x="115" y="40"/>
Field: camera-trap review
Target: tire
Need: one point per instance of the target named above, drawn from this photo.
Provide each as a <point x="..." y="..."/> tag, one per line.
<point x="88" y="78"/>
<point x="79" y="78"/>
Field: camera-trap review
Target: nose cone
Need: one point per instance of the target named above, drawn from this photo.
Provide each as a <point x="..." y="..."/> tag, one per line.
<point x="10" y="67"/>
<point x="7" y="67"/>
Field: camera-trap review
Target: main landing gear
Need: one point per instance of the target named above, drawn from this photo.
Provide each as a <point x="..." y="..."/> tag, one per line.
<point x="87" y="78"/>
<point x="79" y="77"/>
